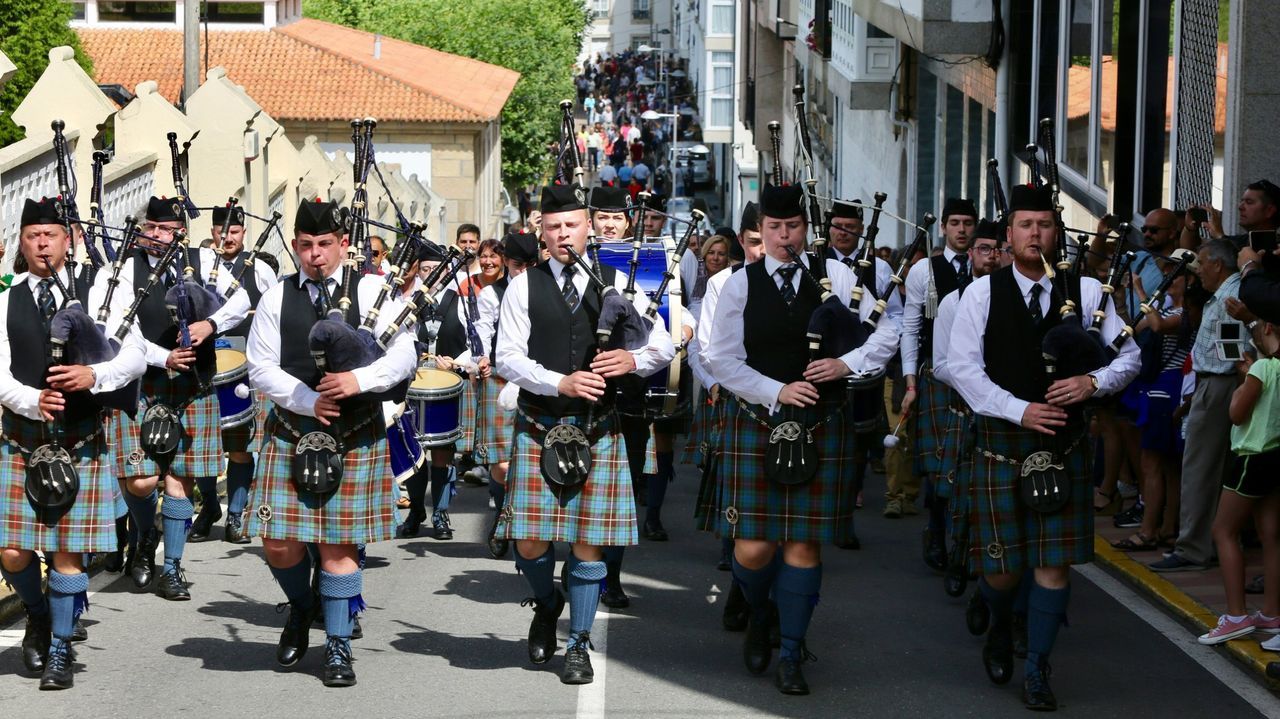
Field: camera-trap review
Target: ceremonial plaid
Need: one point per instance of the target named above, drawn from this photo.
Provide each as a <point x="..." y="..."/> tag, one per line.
<point x="88" y="526"/>
<point x="601" y="513"/>
<point x="706" y="511"/>
<point x="245" y="437"/>
<point x="958" y="419"/>
<point x="468" y="412"/>
<point x="199" y="450"/>
<point x="753" y="507"/>
<point x="360" y="510"/>
<point x="498" y="422"/>
<point x="703" y="415"/>
<point x="1007" y="536"/>
<point x="930" y="423"/>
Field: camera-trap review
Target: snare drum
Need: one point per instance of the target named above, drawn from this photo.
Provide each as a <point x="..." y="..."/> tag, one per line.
<point x="433" y="401"/>
<point x="406" y="454"/>
<point x="668" y="391"/>
<point x="236" y="404"/>
<point x="866" y="402"/>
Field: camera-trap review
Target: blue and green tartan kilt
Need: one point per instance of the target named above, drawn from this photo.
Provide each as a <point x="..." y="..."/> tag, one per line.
<point x="468" y="415"/>
<point x="706" y="510"/>
<point x="959" y="421"/>
<point x="750" y="506"/>
<point x="1007" y="536"/>
<point x="244" y="438"/>
<point x="931" y="417"/>
<point x="360" y="510"/>
<point x="199" y="451"/>
<point x="88" y="526"/>
<point x="703" y="416"/>
<point x="601" y="514"/>
<point x="498" y="422"/>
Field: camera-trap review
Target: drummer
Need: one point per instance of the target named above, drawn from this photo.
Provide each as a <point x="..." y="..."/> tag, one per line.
<point x="226" y="262"/>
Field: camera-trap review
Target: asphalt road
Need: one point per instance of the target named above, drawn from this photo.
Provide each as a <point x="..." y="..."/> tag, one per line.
<point x="444" y="635"/>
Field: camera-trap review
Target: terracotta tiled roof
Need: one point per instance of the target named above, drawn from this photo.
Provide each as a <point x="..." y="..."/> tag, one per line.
<point x="1078" y="95"/>
<point x="295" y="73"/>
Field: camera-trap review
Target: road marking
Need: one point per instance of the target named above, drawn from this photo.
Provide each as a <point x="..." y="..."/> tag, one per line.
<point x="12" y="637"/>
<point x="1246" y="686"/>
<point x="591" y="697"/>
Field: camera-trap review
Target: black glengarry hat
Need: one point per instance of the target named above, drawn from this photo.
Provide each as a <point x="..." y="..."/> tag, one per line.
<point x="562" y="198"/>
<point x="1026" y="197"/>
<point x="959" y="206"/>
<point x="840" y="208"/>
<point x="162" y="209"/>
<point x="750" y="218"/>
<point x="521" y="247"/>
<point x="610" y="199"/>
<point x="44" y="212"/>
<point x="782" y="201"/>
<point x="317" y="217"/>
<point x="220" y="216"/>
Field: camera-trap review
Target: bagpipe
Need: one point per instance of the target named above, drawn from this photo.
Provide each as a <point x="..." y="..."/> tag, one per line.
<point x="66" y="200"/>
<point x="273" y="225"/>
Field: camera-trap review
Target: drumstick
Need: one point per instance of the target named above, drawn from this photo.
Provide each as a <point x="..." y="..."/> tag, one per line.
<point x="891" y="439"/>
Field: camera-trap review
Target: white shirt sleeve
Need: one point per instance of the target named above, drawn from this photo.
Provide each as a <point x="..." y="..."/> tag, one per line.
<point x="706" y="316"/>
<point x="942" y="335"/>
<point x="659" y="350"/>
<point x="884" y="287"/>
<point x="400" y="360"/>
<point x="879" y="348"/>
<point x="488" y="322"/>
<point x="14" y="395"/>
<point x="1124" y="368"/>
<point x="913" y="315"/>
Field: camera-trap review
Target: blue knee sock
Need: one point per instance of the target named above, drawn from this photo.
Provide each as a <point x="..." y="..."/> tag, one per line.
<point x="584" y="594"/>
<point x="239" y="477"/>
<point x="341" y="599"/>
<point x="440" y="488"/>
<point x="498" y="491"/>
<point x="68" y="597"/>
<point x="999" y="601"/>
<point x="797" y="596"/>
<point x="295" y="581"/>
<point x="177" y="513"/>
<point x="143" y="511"/>
<point x="757" y="585"/>
<point x="1046" y="611"/>
<point x="657" y="486"/>
<point x="208" y="487"/>
<point x="26" y="584"/>
<point x="540" y="573"/>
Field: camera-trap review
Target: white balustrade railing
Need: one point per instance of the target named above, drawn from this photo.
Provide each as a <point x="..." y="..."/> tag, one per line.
<point x="28" y="169"/>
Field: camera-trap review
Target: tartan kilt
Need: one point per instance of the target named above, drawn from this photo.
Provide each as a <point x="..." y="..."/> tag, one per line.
<point x="703" y="415"/>
<point x="245" y="437"/>
<point x="1007" y="536"/>
<point x="498" y="422"/>
<point x="706" y="510"/>
<point x="750" y="506"/>
<point x="360" y="510"/>
<point x="602" y="514"/>
<point x="931" y="417"/>
<point x="468" y="415"/>
<point x="199" y="450"/>
<point x="958" y="420"/>
<point x="88" y="526"/>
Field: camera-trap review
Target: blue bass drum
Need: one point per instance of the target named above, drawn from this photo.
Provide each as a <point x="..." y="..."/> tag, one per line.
<point x="434" y="400"/>
<point x="235" y="401"/>
<point x="405" y="452"/>
<point x="668" y="391"/>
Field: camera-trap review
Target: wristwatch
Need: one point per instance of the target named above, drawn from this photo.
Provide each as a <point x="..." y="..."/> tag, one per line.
<point x="1253" y="325"/>
<point x="213" y="325"/>
<point x="1094" y="380"/>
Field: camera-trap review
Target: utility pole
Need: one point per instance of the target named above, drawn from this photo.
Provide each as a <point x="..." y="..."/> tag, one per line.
<point x="190" y="48"/>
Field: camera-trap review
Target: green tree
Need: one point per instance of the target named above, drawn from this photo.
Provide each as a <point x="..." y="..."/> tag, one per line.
<point x="540" y="40"/>
<point x="28" y="30"/>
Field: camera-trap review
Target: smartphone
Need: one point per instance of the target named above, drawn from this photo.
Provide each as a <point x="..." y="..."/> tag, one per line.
<point x="1230" y="350"/>
<point x="1198" y="214"/>
<point x="1230" y="331"/>
<point x="1262" y="241"/>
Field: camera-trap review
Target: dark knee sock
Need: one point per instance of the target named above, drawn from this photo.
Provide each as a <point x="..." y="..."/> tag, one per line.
<point x="133" y="530"/>
<point x="416" y="485"/>
<point x="657" y="487"/>
<point x="177" y="513"/>
<point x="239" y="477"/>
<point x="1046" y="611"/>
<point x="584" y="594"/>
<point x="797" y="596"/>
<point x="498" y="491"/>
<point x="143" y="510"/>
<point x="938" y="513"/>
<point x="540" y="573"/>
<point x="295" y="581"/>
<point x="26" y="584"/>
<point x="441" y="491"/>
<point x="68" y="597"/>
<point x="341" y="599"/>
<point x="999" y="601"/>
<point x="1024" y="591"/>
<point x="122" y="531"/>
<point x="757" y="585"/>
<point x="208" y="487"/>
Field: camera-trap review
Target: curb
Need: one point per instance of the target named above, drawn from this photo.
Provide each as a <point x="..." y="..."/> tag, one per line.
<point x="1247" y="652"/>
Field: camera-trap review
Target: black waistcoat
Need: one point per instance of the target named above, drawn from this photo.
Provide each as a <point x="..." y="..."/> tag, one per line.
<point x="157" y="326"/>
<point x="1011" y="344"/>
<point x="560" y="341"/>
<point x="249" y="284"/>
<point x="774" y="333"/>
<point x="870" y="285"/>
<point x="297" y="316"/>
<point x="451" y="338"/>
<point x="500" y="287"/>
<point x="945" y="281"/>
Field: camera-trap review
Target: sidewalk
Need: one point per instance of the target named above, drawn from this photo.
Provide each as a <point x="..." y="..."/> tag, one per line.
<point x="1197" y="598"/>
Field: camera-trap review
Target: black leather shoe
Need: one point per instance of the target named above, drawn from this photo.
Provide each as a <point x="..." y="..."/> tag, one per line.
<point x="737" y="613"/>
<point x="293" y="640"/>
<point x="57" y="669"/>
<point x="337" y="664"/>
<point x="173" y="585"/>
<point x="35" y="642"/>
<point x="210" y="513"/>
<point x="357" y="631"/>
<point x="542" y="630"/>
<point x="143" y="571"/>
<point x="614" y="597"/>
<point x="440" y="523"/>
<point x="726" y="561"/>
<point x="997" y="653"/>
<point x="114" y="561"/>
<point x="234" y="532"/>
<point x="1036" y="693"/>
<point x="498" y="547"/>
<point x="412" y="523"/>
<point x="756" y="650"/>
<point x="1019" y="635"/>
<point x="851" y="543"/>
<point x="956" y="580"/>
<point x="789" y="679"/>
<point x="78" y="632"/>
<point x="654" y="531"/>
<point x="935" y="549"/>
<point x="977" y="617"/>
<point x="130" y="553"/>
<point x="577" y="662"/>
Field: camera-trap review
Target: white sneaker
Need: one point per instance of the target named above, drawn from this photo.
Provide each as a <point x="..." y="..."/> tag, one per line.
<point x="1127" y="491"/>
<point x="1272" y="644"/>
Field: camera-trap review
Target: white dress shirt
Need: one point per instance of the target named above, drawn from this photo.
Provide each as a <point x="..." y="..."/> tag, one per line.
<point x="698" y="360"/>
<point x="893" y="308"/>
<point x="237" y="309"/>
<point x="728" y="355"/>
<point x="942" y="336"/>
<point x="513" y="360"/>
<point x="913" y="310"/>
<point x="263" y="348"/>
<point x="967" y="369"/>
<point x="128" y="364"/>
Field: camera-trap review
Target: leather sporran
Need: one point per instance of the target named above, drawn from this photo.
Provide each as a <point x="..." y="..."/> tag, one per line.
<point x="566" y="457"/>
<point x="52" y="481"/>
<point x="791" y="459"/>
<point x="317" y="463"/>
<point x="161" y="432"/>
<point x="1044" y="484"/>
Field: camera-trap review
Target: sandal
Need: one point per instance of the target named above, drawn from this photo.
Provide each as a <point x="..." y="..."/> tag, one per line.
<point x="1138" y="542"/>
<point x="1105" y="504"/>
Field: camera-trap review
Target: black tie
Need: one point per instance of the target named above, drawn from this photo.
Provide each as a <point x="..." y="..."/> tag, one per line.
<point x="318" y="300"/>
<point x="786" y="272"/>
<point x="1033" y="306"/>
<point x="848" y="262"/>
<point x="962" y="274"/>
<point x="229" y="264"/>
<point x="568" y="291"/>
<point x="45" y="299"/>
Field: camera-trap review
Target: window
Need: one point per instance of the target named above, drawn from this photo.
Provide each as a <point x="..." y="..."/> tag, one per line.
<point x="118" y="11"/>
<point x="926" y="196"/>
<point x="599" y="9"/>
<point x="953" y="172"/>
<point x="77" y="10"/>
<point x="238" y="12"/>
<point x="974" y="162"/>
<point x="721" y="90"/>
<point x="722" y="17"/>
<point x="640" y="9"/>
